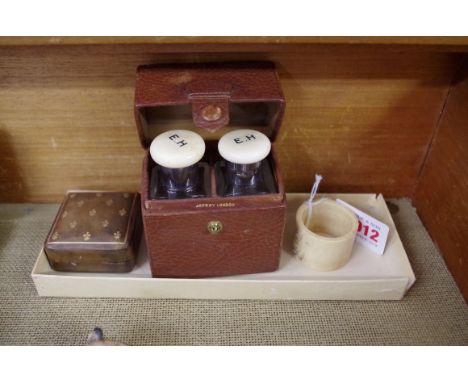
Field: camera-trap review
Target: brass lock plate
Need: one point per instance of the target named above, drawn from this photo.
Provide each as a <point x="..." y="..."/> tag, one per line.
<point x="214" y="227"/>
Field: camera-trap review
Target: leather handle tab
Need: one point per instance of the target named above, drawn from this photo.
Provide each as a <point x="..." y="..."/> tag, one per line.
<point x="210" y="111"/>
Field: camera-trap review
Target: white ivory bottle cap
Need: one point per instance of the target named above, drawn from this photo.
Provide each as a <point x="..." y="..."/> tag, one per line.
<point x="177" y="148"/>
<point x="244" y="146"/>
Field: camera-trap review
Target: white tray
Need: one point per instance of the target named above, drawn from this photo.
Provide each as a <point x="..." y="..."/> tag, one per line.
<point x="367" y="276"/>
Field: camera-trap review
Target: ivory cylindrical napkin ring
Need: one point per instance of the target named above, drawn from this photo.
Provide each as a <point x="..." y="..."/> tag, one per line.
<point x="326" y="244"/>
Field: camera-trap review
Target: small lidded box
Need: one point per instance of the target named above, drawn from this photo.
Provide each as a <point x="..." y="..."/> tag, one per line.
<point x="95" y="232"/>
<point x="220" y="226"/>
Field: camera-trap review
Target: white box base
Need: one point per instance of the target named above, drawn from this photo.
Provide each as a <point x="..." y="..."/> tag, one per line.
<point x="367" y="276"/>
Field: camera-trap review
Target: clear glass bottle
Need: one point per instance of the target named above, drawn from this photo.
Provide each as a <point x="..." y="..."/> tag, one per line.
<point x="245" y="169"/>
<point x="178" y="172"/>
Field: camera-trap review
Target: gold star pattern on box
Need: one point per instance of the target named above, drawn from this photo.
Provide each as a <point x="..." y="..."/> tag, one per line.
<point x="94" y="217"/>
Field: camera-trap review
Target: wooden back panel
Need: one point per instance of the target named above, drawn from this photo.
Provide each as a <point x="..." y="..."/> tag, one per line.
<point x="441" y="196"/>
<point x="363" y="117"/>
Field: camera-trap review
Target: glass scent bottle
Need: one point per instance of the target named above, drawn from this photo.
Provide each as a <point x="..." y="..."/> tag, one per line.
<point x="178" y="173"/>
<point x="244" y="169"/>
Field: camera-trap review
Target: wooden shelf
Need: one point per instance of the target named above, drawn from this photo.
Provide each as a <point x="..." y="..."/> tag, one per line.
<point x="355" y="40"/>
<point x="372" y="114"/>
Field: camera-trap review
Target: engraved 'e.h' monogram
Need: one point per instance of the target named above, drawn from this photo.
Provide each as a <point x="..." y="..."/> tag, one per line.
<point x="181" y="143"/>
<point x="247" y="138"/>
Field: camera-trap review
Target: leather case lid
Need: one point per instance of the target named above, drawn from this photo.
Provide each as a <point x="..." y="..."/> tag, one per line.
<point x="209" y="98"/>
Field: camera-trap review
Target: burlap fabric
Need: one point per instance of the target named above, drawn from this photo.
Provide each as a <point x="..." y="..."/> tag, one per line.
<point x="433" y="312"/>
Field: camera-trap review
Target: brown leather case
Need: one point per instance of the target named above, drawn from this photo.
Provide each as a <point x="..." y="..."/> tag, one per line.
<point x="95" y="232"/>
<point x="212" y="236"/>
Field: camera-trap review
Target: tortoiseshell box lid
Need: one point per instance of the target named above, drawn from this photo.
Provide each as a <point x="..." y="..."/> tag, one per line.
<point x="95" y="232"/>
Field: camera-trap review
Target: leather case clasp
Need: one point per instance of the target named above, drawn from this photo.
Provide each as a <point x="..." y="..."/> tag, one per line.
<point x="210" y="111"/>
